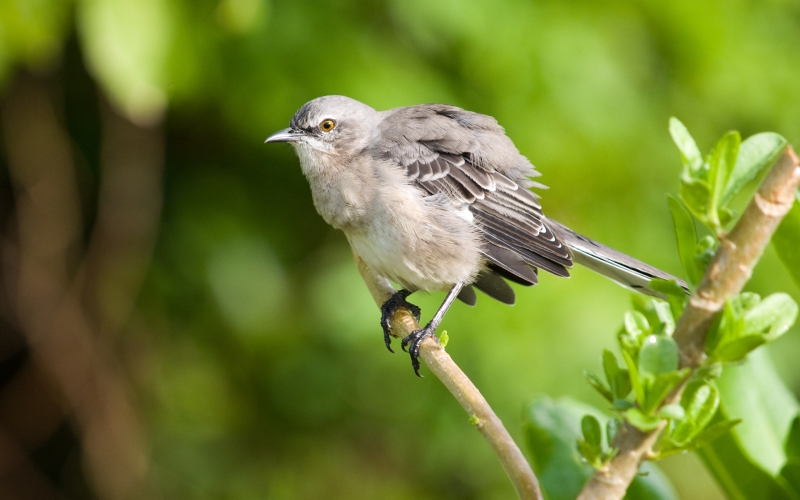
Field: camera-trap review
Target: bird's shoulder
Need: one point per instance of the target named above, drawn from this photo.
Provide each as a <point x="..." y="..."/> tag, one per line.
<point x="443" y="115"/>
<point x="412" y="133"/>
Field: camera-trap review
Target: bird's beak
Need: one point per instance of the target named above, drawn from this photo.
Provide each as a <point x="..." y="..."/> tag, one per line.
<point x="285" y="135"/>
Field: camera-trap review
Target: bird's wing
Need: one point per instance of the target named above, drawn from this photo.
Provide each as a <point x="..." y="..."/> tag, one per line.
<point x="468" y="158"/>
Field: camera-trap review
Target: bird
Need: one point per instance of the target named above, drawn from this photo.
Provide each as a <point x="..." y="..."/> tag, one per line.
<point x="437" y="198"/>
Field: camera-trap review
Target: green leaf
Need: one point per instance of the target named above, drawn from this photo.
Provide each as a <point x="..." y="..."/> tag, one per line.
<point x="696" y="194"/>
<point x="748" y="300"/>
<point x="672" y="412"/>
<point x="755" y="393"/>
<point x="738" y="349"/>
<point x="715" y="431"/>
<point x="686" y="235"/>
<point x="610" y="367"/>
<point x="593" y="456"/>
<point x="618" y="380"/>
<point x="598" y="385"/>
<point x="657" y="390"/>
<point x="612" y="427"/>
<point x="706" y="249"/>
<point x="786" y="241"/>
<point x="622" y="405"/>
<point x="622" y="384"/>
<point x="592" y="433"/>
<point x="636" y="324"/>
<point x="666" y="318"/>
<point x="709" y="370"/>
<point x="720" y="167"/>
<point x="726" y="214"/>
<point x="656" y="312"/>
<point x="700" y="400"/>
<point x="756" y="153"/>
<point x="727" y="327"/>
<point x="552" y="428"/>
<point x="636" y="382"/>
<point x="747" y="322"/>
<point x="641" y="421"/>
<point x="690" y="154"/>
<point x="675" y="294"/>
<point x="657" y="356"/>
<point x="444" y="339"/>
<point x="771" y="317"/>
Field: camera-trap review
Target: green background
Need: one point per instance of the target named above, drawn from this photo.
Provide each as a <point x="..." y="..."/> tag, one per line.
<point x="263" y="373"/>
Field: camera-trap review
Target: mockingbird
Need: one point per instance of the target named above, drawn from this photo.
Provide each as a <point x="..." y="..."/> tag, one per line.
<point x="433" y="197"/>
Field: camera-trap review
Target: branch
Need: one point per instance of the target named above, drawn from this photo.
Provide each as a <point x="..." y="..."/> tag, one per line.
<point x="443" y="366"/>
<point x="731" y="268"/>
<point x="45" y="293"/>
<point x="128" y="215"/>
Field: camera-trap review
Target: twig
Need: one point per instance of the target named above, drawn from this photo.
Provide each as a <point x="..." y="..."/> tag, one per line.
<point x="476" y="406"/>
<point x="729" y="271"/>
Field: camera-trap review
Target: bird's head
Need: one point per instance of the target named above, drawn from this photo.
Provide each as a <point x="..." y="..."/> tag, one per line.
<point x="330" y="125"/>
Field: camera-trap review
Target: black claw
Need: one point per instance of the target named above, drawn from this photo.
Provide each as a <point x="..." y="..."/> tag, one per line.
<point x="387" y="339"/>
<point x="414" y="310"/>
<point x="414" y="341"/>
<point x="388" y="309"/>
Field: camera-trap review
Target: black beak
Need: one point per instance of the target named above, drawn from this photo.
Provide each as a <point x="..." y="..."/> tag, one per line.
<point x="285" y="135"/>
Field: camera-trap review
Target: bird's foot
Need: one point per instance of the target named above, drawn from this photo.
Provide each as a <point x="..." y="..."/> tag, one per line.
<point x="414" y="341"/>
<point x="396" y="301"/>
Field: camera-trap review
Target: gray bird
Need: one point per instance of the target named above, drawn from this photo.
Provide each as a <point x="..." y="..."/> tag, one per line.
<point x="434" y="197"/>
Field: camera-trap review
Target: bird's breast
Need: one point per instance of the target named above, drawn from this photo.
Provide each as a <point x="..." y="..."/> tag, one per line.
<point x="341" y="192"/>
<point x="417" y="241"/>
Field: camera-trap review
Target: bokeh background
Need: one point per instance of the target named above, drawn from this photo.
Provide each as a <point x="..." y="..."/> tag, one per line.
<point x="178" y="322"/>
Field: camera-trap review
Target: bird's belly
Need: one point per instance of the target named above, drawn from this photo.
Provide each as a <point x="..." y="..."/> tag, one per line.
<point x="418" y="258"/>
<point x="385" y="257"/>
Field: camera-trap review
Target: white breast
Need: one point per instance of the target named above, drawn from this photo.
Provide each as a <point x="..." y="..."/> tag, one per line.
<point x="420" y="242"/>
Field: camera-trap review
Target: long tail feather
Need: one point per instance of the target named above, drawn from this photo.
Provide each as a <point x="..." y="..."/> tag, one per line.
<point x="616" y="266"/>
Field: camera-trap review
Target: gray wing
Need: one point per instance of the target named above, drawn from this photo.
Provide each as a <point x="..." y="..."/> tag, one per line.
<point x="468" y="158"/>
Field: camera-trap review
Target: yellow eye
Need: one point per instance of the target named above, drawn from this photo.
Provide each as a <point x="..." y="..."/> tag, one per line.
<point x="327" y="125"/>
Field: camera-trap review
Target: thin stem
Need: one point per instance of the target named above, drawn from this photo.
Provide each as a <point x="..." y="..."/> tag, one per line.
<point x="465" y="392"/>
<point x="731" y="268"/>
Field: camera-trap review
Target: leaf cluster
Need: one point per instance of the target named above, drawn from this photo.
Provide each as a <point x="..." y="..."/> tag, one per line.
<point x="709" y="184"/>
<point x="652" y="369"/>
<point x="551" y="429"/>
<point x="651" y="373"/>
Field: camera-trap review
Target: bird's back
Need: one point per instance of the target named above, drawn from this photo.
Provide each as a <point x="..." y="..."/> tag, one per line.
<point x="466" y="158"/>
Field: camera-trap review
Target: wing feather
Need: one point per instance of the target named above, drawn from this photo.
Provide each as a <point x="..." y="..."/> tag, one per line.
<point x="467" y="295"/>
<point x="412" y="169"/>
<point x="495" y="287"/>
<point x="468" y="158"/>
<point x="425" y="171"/>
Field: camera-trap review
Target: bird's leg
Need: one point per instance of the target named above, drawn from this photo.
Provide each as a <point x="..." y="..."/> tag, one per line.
<point x="397" y="300"/>
<point x="416" y="337"/>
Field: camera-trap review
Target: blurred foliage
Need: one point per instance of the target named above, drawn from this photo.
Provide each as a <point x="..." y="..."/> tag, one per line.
<point x="756" y="460"/>
<point x="259" y="360"/>
<point x="551" y="428"/>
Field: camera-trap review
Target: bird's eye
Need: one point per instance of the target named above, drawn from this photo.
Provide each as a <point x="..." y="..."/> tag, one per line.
<point x="327" y="125"/>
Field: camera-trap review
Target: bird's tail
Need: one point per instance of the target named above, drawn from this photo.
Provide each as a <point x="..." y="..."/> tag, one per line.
<point x="616" y="266"/>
